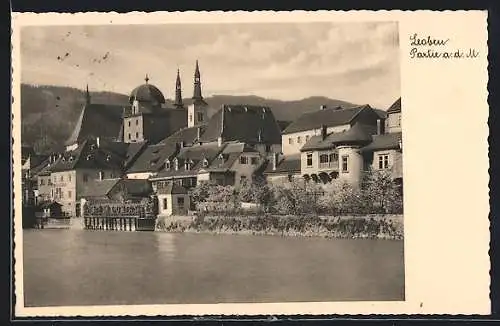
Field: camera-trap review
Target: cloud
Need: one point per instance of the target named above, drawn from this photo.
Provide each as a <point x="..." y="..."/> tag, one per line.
<point x="358" y="62"/>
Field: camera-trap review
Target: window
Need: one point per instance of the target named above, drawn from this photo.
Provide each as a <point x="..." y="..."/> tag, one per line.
<point x="205" y="163"/>
<point x="167" y="165"/>
<point x="254" y="161"/>
<point x="299" y="140"/>
<point x="290" y="140"/>
<point x="200" y="116"/>
<point x="69" y="177"/>
<point x="136" y="135"/>
<point x="165" y="205"/>
<point x="137" y="122"/>
<point x="85" y="177"/>
<point x="42" y="182"/>
<point x="243" y="160"/>
<point x="61" y="178"/>
<point x="69" y="194"/>
<point x="333" y="157"/>
<point x="307" y="138"/>
<point x="176" y="164"/>
<point x="129" y="123"/>
<point x="268" y="148"/>
<point x="243" y="178"/>
<point x="309" y="159"/>
<point x="399" y="120"/>
<point x="383" y="161"/>
<point x="129" y="136"/>
<point x="344" y="163"/>
<point x="323" y="158"/>
<point x="180" y="201"/>
<point x="190" y="118"/>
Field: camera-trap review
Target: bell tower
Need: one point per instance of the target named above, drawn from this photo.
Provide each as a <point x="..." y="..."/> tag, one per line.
<point x="197" y="111"/>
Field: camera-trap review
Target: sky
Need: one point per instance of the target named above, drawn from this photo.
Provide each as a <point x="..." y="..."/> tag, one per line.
<point x="355" y="62"/>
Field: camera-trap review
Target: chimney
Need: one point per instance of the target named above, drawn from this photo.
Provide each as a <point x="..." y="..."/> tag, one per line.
<point x="101" y="175"/>
<point x="323" y="132"/>
<point x="275" y="161"/>
<point x="198" y="133"/>
<point x="322" y="107"/>
<point x="98" y="142"/>
<point x="380" y="127"/>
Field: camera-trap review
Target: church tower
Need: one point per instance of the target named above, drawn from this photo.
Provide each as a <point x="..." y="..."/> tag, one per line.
<point x="178" y="92"/>
<point x="197" y="112"/>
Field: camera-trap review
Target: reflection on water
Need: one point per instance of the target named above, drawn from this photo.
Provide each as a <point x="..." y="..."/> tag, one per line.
<point x="63" y="267"/>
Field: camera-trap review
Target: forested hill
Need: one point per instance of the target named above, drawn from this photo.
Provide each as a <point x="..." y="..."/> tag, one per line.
<point x="49" y="113"/>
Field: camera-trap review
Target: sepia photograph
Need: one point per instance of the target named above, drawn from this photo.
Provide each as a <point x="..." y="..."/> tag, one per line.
<point x="211" y="163"/>
<point x="218" y="161"/>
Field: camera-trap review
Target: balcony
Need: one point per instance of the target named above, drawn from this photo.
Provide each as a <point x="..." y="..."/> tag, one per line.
<point x="334" y="165"/>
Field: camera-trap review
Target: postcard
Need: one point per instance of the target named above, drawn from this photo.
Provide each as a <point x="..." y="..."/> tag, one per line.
<point x="250" y="163"/>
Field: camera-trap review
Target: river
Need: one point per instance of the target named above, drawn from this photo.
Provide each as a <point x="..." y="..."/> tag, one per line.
<point x="69" y="267"/>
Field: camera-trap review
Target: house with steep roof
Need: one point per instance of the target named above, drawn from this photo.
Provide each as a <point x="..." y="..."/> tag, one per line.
<point x="116" y="189"/>
<point x="336" y="119"/>
<point x="91" y="160"/>
<point x="349" y="153"/>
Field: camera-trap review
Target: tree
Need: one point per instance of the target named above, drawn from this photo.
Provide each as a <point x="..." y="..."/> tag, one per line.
<point x="381" y="192"/>
<point x="201" y="192"/>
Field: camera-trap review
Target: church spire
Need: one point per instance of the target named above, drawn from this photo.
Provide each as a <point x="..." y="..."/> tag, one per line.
<point x="87" y="95"/>
<point x="178" y="92"/>
<point x="197" y="84"/>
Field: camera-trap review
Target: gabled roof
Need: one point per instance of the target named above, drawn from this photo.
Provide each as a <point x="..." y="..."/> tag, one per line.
<point x="98" y="188"/>
<point x="97" y="120"/>
<point x="103" y="188"/>
<point x="172" y="189"/>
<point x="187" y="135"/>
<point x="133" y="152"/>
<point x="357" y="134"/>
<point x="88" y="155"/>
<point x="395" y="107"/>
<point x="49" y="204"/>
<point x="329" y="117"/>
<point x="153" y="158"/>
<point x="286" y="164"/>
<point x="384" y="142"/>
<point x="196" y="155"/>
<point x="244" y="123"/>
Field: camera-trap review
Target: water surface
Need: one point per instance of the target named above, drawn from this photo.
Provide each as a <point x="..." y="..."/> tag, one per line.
<point x="69" y="267"/>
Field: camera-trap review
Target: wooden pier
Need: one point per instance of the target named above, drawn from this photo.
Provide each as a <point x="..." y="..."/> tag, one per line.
<point x="114" y="223"/>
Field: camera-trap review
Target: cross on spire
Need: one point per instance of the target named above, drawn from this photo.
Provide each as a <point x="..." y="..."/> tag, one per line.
<point x="146" y="79"/>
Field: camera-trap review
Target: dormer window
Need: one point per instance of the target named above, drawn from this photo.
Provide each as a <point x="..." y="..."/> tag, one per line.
<point x="108" y="157"/>
<point x="63" y="159"/>
<point x="176" y="164"/>
<point x="71" y="159"/>
<point x="92" y="147"/>
<point x="167" y="165"/>
<point x="205" y="163"/>
<point x="89" y="157"/>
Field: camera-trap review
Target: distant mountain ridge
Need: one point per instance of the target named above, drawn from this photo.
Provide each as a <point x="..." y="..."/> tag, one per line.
<point x="49" y="113"/>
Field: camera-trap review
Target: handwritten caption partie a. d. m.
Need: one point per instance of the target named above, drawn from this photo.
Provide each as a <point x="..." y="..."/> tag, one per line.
<point x="428" y="47"/>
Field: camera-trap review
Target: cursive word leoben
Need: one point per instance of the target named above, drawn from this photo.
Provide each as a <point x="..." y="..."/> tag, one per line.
<point x="426" y="41"/>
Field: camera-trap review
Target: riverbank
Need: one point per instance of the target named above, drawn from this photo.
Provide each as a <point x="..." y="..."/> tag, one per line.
<point x="345" y="227"/>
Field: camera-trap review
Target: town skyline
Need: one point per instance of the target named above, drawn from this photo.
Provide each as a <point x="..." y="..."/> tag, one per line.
<point x="297" y="61"/>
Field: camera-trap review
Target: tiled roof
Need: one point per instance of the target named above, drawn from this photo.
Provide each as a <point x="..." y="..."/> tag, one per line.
<point x="286" y="164"/>
<point x="187" y="135"/>
<point x="133" y="152"/>
<point x="244" y="123"/>
<point x="97" y="120"/>
<point x="97" y="188"/>
<point x="357" y="134"/>
<point x="383" y="142"/>
<point x="108" y="155"/>
<point x="329" y="117"/>
<point x="395" y="107"/>
<point x="136" y="187"/>
<point x="49" y="204"/>
<point x="196" y="155"/>
<point x="172" y="188"/>
<point x="153" y="158"/>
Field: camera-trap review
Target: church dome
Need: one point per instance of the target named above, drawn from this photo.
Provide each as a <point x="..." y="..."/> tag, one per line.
<point x="147" y="93"/>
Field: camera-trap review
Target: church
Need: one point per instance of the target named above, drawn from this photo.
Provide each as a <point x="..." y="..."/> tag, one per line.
<point x="147" y="118"/>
